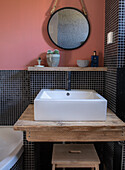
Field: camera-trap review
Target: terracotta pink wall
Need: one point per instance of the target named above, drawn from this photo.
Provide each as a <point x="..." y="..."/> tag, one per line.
<point x="23" y="33"/>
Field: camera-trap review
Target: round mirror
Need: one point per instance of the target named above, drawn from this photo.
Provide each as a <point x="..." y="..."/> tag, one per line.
<point x="68" y="28"/>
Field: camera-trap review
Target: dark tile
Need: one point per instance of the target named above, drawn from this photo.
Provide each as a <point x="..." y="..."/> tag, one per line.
<point x="14" y="95"/>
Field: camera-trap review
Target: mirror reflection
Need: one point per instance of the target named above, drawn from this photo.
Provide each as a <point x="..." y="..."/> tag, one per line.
<point x="68" y="28"/>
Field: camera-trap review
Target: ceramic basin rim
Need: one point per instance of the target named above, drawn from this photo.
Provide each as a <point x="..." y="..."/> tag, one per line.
<point x="71" y="100"/>
<point x="100" y="98"/>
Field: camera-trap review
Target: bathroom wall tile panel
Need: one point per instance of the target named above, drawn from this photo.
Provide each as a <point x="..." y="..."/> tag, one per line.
<point x="117" y="158"/>
<point x="111" y="24"/>
<point x="110" y="90"/>
<point x="88" y="80"/>
<point x="121" y="93"/>
<point x="14" y="95"/>
<point x="115" y="22"/>
<point x="99" y="146"/>
<point x="121" y="34"/>
<point x="112" y="155"/>
<point x="108" y="154"/>
<point x="121" y="70"/>
<point x="123" y="157"/>
<point x="45" y="80"/>
<point x="29" y="154"/>
<point x="57" y="80"/>
<point x="111" y="60"/>
<point x="43" y="155"/>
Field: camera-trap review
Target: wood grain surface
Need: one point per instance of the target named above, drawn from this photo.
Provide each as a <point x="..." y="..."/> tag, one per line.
<point x="113" y="129"/>
<point x="67" y="68"/>
<point x="62" y="157"/>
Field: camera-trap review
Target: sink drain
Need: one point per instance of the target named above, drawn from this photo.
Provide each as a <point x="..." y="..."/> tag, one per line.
<point x="68" y="94"/>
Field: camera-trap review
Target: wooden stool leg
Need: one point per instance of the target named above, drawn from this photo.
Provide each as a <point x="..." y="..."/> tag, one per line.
<point x="53" y="167"/>
<point x="93" y="168"/>
<point x="97" y="167"/>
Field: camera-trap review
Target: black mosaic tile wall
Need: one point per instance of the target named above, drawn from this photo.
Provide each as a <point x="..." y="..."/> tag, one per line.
<point x="43" y="159"/>
<point x="14" y="95"/>
<point x="46" y="80"/>
<point x="88" y="80"/>
<point x="111" y="52"/>
<point x="121" y="71"/>
<point x="123" y="157"/>
<point x="121" y="93"/>
<point x="112" y="155"/>
<point x="121" y="103"/>
<point x="121" y="35"/>
<point x="108" y="154"/>
<point x="57" y="80"/>
<point x="110" y="90"/>
<point x="115" y="61"/>
<point x="29" y="154"/>
<point x="117" y="159"/>
<point x="111" y="24"/>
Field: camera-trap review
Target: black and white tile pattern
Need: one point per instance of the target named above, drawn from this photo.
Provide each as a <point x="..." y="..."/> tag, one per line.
<point x="114" y="59"/>
<point x="14" y="95"/>
<point x="46" y="80"/>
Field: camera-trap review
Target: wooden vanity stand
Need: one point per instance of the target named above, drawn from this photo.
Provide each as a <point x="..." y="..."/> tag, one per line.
<point x="113" y="129"/>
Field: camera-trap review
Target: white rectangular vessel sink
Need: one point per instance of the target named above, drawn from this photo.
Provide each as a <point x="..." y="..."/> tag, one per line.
<point x="74" y="105"/>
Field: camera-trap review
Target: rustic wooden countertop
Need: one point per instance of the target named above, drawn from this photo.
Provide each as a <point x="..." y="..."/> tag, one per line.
<point x="67" y="68"/>
<point x="113" y="129"/>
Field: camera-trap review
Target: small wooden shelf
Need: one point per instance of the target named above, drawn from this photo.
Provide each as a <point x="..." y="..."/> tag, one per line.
<point x="113" y="129"/>
<point x="67" y="68"/>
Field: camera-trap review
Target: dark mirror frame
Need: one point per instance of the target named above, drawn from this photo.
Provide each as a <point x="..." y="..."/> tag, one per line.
<point x="63" y="9"/>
